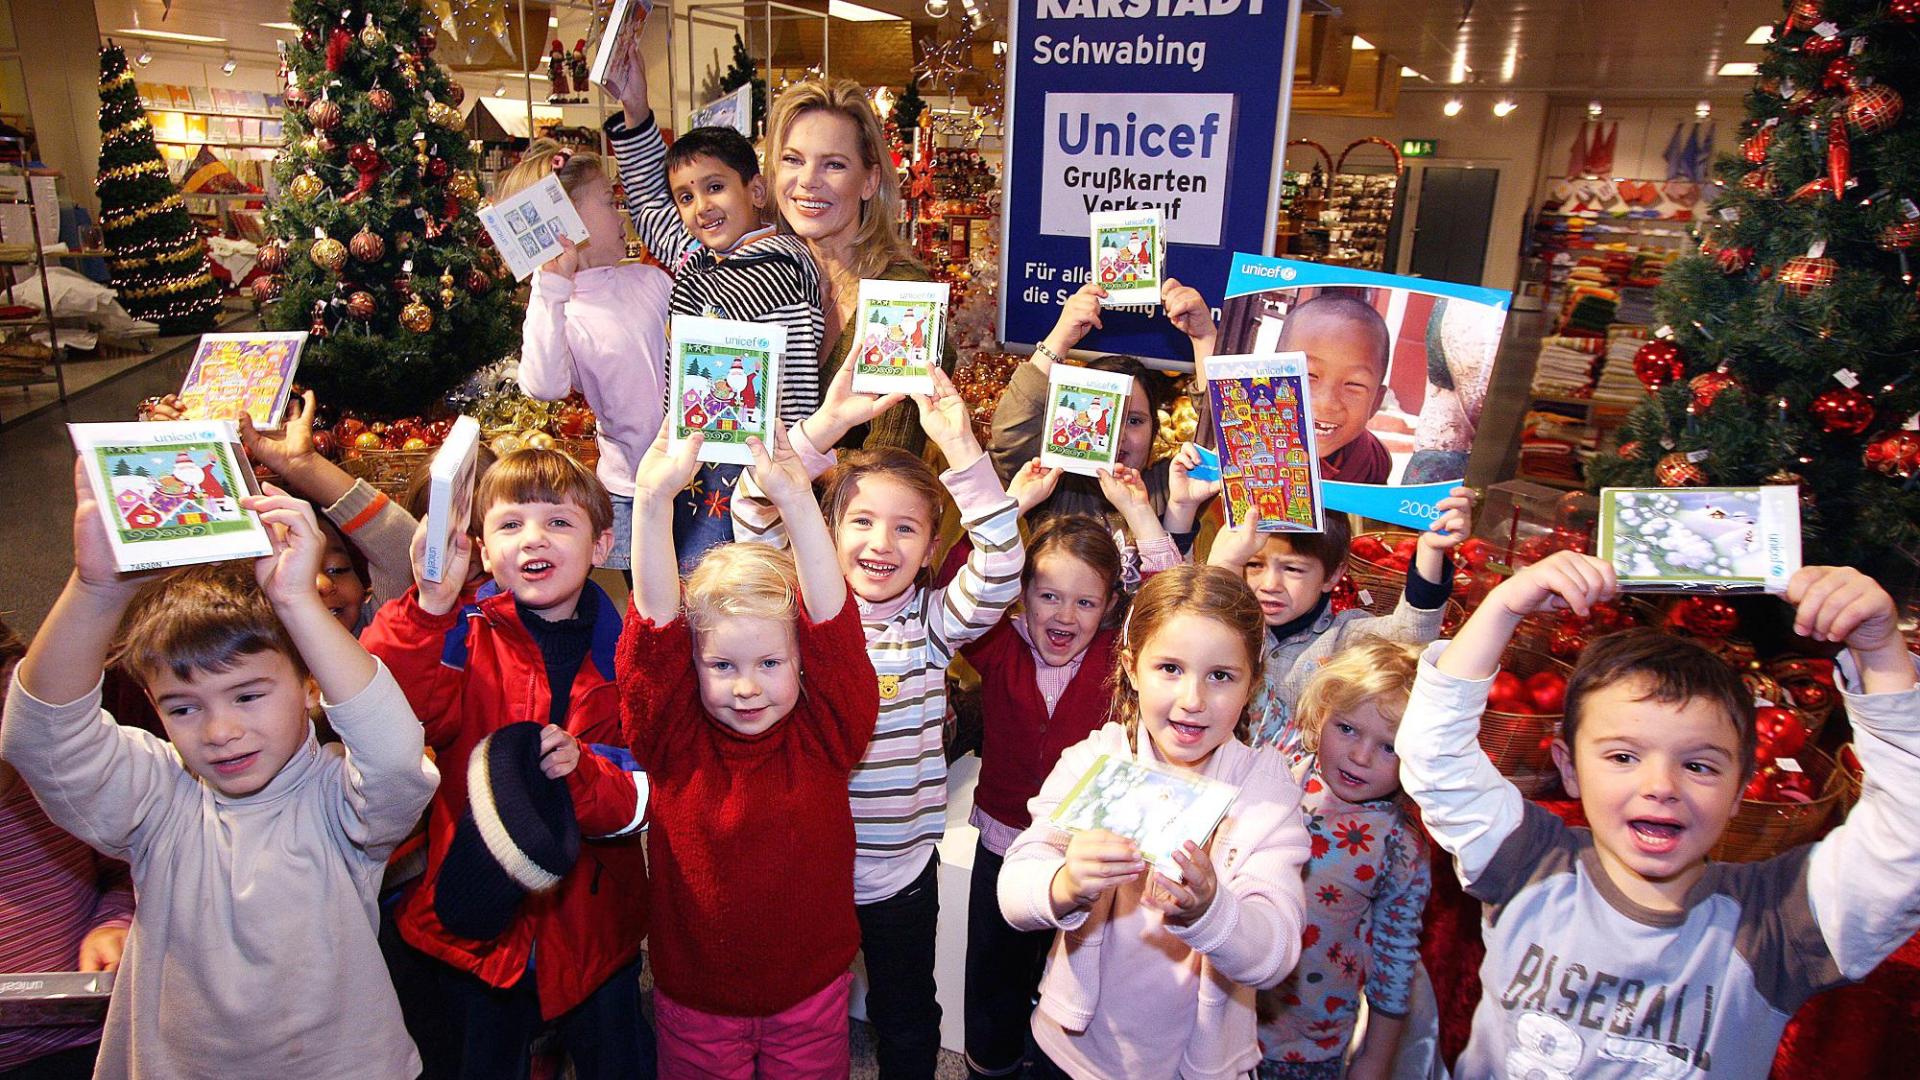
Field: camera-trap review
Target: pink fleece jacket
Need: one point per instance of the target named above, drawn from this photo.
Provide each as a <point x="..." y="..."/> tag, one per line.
<point x="603" y="333"/>
<point x="1128" y="994"/>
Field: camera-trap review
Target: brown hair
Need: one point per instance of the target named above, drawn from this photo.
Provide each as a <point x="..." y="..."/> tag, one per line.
<point x="1211" y="592"/>
<point x="889" y="461"/>
<point x="1082" y="538"/>
<point x="536" y="475"/>
<point x="1368" y="670"/>
<point x="200" y="618"/>
<point x="751" y="581"/>
<point x="1674" y="670"/>
<point x="12" y="647"/>
<point x="577" y="168"/>
<point x="1327" y="547"/>
<point x="875" y="243"/>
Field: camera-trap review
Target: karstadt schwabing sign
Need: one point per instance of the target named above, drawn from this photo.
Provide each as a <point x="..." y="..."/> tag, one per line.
<point x="1128" y="104"/>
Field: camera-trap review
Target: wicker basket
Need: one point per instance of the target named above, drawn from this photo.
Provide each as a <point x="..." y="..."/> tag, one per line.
<point x="1761" y="830"/>
<point x="584" y="450"/>
<point x="1381" y="584"/>
<point x="1519" y="743"/>
<point x="390" y="471"/>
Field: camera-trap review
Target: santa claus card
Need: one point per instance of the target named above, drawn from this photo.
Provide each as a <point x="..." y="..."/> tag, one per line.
<point x="900" y="326"/>
<point x="725" y="380"/>
<point x="1702" y="539"/>
<point x="1085" y="412"/>
<point x="242" y="373"/>
<point x="1263" y="428"/>
<point x="1127" y="255"/>
<point x="169" y="493"/>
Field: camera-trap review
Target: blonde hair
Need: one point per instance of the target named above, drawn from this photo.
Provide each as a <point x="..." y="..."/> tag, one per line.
<point x="750" y="581"/>
<point x="1369" y="670"/>
<point x="1210" y="592"/>
<point x="577" y="168"/>
<point x="876" y="244"/>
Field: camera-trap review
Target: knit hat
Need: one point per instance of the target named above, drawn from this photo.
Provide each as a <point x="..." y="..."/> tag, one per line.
<point x="517" y="836"/>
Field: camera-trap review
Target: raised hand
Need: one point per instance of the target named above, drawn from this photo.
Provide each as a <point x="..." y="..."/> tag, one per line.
<point x="663" y="472"/>
<point x="440" y="597"/>
<point x="1235" y="545"/>
<point x="627" y="78"/>
<point x="782" y="477"/>
<point x="1563" y="581"/>
<point x="567" y="263"/>
<point x="288" y="574"/>
<point x="1033" y="484"/>
<point x="165" y="407"/>
<point x="948" y="422"/>
<point x="292" y="448"/>
<point x="1126" y="490"/>
<point x="1186" y="495"/>
<point x="842" y="410"/>
<point x="1839" y="603"/>
<point x="1187" y="310"/>
<point x="1079" y="315"/>
<point x="92" y="553"/>
<point x="1185" y="900"/>
<point x="1446" y="532"/>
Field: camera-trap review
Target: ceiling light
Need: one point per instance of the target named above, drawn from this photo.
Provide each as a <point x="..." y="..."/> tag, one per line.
<point x="1409" y="73"/>
<point x="1594" y="110"/>
<point x="841" y="9"/>
<point x="144" y="58"/>
<point x="1452" y="107"/>
<point x="937" y="9"/>
<point x="1361" y="44"/>
<point x="499" y="89"/>
<point x="553" y="22"/>
<point x="287" y="26"/>
<point x="1740" y="67"/>
<point x="1761" y="35"/>
<point x="168" y="35"/>
<point x="1503" y="107"/>
<point x="1702" y="109"/>
<point x="227" y="68"/>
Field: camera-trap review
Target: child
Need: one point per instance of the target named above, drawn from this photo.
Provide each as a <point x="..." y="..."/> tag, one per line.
<point x="1621" y="950"/>
<point x="884" y="508"/>
<point x="1348" y="349"/>
<point x="1293" y="575"/>
<point x="1367" y="875"/>
<point x="749" y="712"/>
<point x="1149" y="977"/>
<point x="1043" y="675"/>
<point x="698" y="209"/>
<point x="255" y="853"/>
<point x="597" y="325"/>
<point x="537" y="644"/>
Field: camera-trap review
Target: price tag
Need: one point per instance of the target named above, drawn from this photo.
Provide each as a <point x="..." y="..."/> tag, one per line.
<point x="1817" y="248"/>
<point x="1845" y="377"/>
<point x="1827" y="30"/>
<point x="319" y="233"/>
<point x="1787" y="764"/>
<point x="1698" y="456"/>
<point x="1730" y="213"/>
<point x="1366" y="598"/>
<point x="1908" y="210"/>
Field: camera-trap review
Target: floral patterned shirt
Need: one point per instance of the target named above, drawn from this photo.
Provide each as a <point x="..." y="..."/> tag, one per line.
<point x="1367" y="881"/>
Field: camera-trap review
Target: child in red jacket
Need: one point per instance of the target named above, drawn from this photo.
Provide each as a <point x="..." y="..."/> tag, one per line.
<point x="536" y="645"/>
<point x="749" y="707"/>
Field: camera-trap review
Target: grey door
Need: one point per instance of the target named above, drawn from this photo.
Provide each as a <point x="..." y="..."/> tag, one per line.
<point x="1450" y="233"/>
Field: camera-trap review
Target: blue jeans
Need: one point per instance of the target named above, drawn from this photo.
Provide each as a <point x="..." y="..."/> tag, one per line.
<point x="621" y="557"/>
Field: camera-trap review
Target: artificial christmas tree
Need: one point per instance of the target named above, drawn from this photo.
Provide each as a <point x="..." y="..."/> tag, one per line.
<point x="375" y="222"/>
<point x="742" y="74"/>
<point x="1796" y="328"/>
<point x="156" y="254"/>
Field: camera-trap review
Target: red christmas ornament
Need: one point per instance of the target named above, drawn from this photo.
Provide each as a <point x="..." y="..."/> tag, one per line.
<point x="1900" y="235"/>
<point x="1754" y="146"/>
<point x="325" y="444"/>
<point x="381" y="100"/>
<point x="366" y="161"/>
<point x="360" y="305"/>
<point x="295" y="99"/>
<point x="1813" y="188"/>
<point x="1818" y="46"/>
<point x="338" y="42"/>
<point x="438" y="169"/>
<point x="1897" y="454"/>
<point x="1658" y="363"/>
<point x="1629" y="450"/>
<point x="266" y="288"/>
<point x="426" y="42"/>
<point x="1805" y="275"/>
<point x="323" y="114"/>
<point x="1839" y="155"/>
<point x="319" y="327"/>
<point x="455" y="93"/>
<point x="1839" y="74"/>
<point x="1707" y="617"/>
<point x="1674" y="470"/>
<point x="1732" y="260"/>
<point x="1803" y="15"/>
<point x="1906" y="11"/>
<point x="1842" y="409"/>
<point x="1759" y="180"/>
<point x="1568" y="642"/>
<point x="272" y="257"/>
<point x="1873" y="109"/>
<point x="478" y="282"/>
<point x="367" y="246"/>
<point x="1707" y="386"/>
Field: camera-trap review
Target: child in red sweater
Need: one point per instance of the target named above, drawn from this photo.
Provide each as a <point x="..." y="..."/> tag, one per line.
<point x="749" y="707"/>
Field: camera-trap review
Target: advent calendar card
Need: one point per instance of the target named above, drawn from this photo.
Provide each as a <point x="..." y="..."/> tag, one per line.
<point x="169" y="492"/>
<point x="901" y="325"/>
<point x="1085" y="412"/>
<point x="1263" y="430"/>
<point x="236" y="373"/>
<point x="1701" y="539"/>
<point x="1128" y="256"/>
<point x="725" y="380"/>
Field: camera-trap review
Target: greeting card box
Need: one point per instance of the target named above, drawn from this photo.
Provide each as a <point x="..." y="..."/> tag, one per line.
<point x="724" y="382"/>
<point x="242" y="373"/>
<point x="1263" y="430"/>
<point x="54" y="998"/>
<point x="169" y="492"/>
<point x="900" y="327"/>
<point x="449" y="494"/>
<point x="1086" y="410"/>
<point x="1158" y="809"/>
<point x="608" y="55"/>
<point x="1701" y="539"/>
<point x="527" y="226"/>
<point x="1128" y="255"/>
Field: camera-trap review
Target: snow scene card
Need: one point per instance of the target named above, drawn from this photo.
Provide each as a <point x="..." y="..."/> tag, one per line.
<point x="449" y="495"/>
<point x="527" y="226"/>
<point x="1701" y="539"/>
<point x="243" y="373"/>
<point x="1085" y="411"/>
<point x="1263" y="428"/>
<point x="725" y="383"/>
<point x="1158" y="809"/>
<point x="170" y="492"/>
<point x="1127" y="255"/>
<point x="901" y="325"/>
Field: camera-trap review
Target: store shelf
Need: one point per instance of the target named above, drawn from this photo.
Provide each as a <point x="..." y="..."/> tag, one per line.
<point x="274" y="114"/>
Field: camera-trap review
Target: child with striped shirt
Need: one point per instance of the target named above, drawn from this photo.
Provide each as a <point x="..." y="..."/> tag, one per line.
<point x="883" y="506"/>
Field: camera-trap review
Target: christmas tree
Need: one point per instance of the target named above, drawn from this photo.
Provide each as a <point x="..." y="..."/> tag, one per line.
<point x="157" y="256"/>
<point x="908" y="107"/>
<point x="1793" y="334"/>
<point x="379" y="254"/>
<point x="742" y="74"/>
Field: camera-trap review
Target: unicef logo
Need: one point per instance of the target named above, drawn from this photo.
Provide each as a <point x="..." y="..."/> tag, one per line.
<point x="1288" y="273"/>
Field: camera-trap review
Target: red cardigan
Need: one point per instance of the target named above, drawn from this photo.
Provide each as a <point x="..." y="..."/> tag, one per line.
<point x="468" y="673"/>
<point x="1020" y="743"/>
<point x="752" y="835"/>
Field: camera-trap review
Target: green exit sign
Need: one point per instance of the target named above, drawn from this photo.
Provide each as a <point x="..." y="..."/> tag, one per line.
<point x="1416" y="147"/>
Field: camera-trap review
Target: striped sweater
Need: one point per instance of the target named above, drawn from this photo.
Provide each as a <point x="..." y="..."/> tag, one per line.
<point x="768" y="278"/>
<point x="899" y="789"/>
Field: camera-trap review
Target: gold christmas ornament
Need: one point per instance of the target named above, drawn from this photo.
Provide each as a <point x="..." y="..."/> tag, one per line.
<point x="444" y="115"/>
<point x="416" y="316"/>
<point x="305" y="187"/>
<point x="372" y="36"/>
<point x="367" y="246"/>
<point x="446" y="289"/>
<point x="360" y="305"/>
<point x="464" y="187"/>
<point x="328" y="254"/>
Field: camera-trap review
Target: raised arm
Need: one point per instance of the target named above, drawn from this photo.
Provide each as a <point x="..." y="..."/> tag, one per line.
<point x="656" y="574"/>
<point x="840" y="411"/>
<point x="546" y="359"/>
<point x="1018" y="419"/>
<point x="783" y="478"/>
<point x="990" y="581"/>
<point x="339" y="666"/>
<point x="1189" y="313"/>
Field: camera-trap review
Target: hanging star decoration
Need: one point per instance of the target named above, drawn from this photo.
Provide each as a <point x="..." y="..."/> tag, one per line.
<point x="941" y="62"/>
<point x="475" y="29"/>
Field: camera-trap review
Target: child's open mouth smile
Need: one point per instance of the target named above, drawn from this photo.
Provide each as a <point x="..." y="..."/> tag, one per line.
<point x="234" y="766"/>
<point x="536" y="570"/>
<point x="1186" y="734"/>
<point x="877" y="570"/>
<point x="1059" y="639"/>
<point x="1655" y="836"/>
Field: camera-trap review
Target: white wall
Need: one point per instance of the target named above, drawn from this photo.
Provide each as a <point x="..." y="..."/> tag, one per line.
<point x="1642" y="135"/>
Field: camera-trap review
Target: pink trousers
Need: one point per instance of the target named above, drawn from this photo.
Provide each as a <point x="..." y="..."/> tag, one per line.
<point x="804" y="1042"/>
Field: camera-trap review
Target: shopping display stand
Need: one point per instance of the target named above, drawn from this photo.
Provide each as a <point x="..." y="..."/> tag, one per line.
<point x="37" y="374"/>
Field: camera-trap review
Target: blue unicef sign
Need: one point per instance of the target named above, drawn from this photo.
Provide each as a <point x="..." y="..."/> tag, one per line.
<point x="1131" y="104"/>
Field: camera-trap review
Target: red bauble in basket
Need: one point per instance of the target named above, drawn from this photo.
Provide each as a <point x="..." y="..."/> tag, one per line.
<point x="1567" y="643"/>
<point x="1704" y="616"/>
<point x="1658" y="363"/>
<point x="1842" y="409"/>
